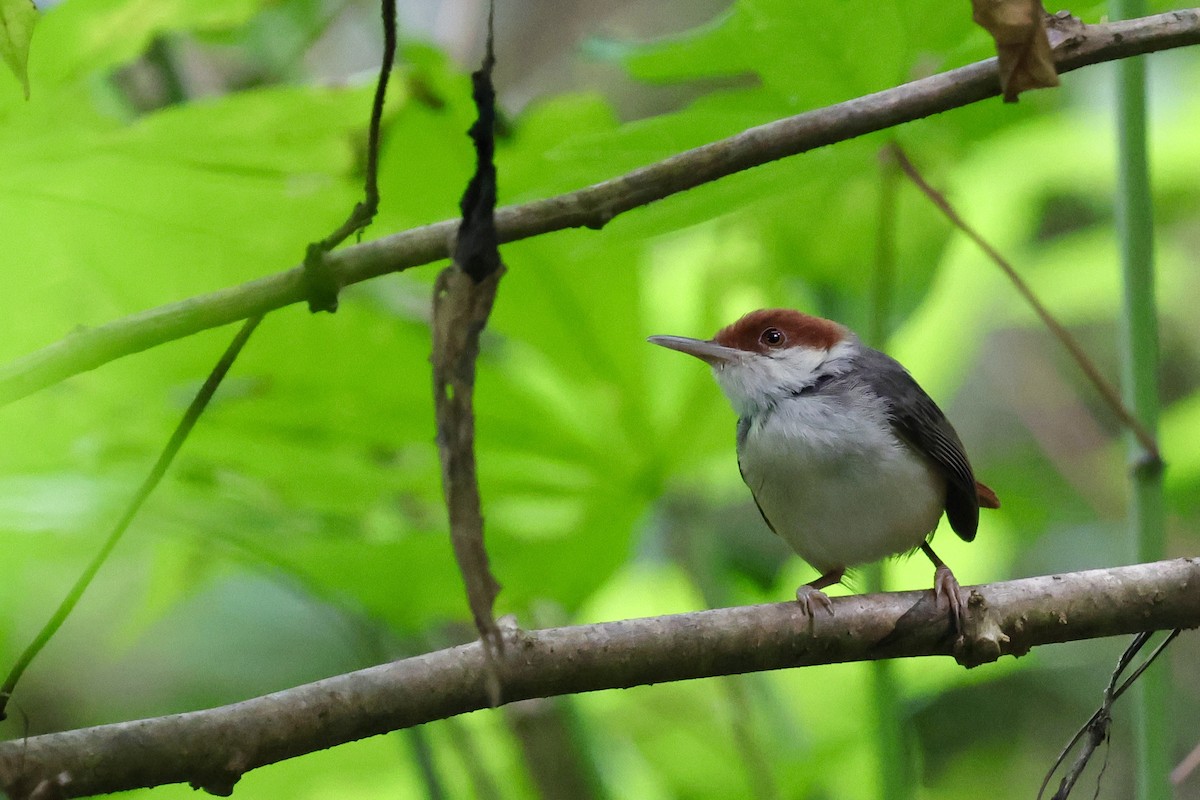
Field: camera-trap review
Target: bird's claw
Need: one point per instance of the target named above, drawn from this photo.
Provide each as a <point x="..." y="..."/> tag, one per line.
<point x="808" y="594"/>
<point x="946" y="586"/>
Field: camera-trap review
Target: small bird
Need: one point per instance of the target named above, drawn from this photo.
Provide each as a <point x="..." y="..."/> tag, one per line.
<point x="848" y="459"/>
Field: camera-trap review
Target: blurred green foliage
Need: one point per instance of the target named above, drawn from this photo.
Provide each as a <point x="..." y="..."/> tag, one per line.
<point x="301" y="532"/>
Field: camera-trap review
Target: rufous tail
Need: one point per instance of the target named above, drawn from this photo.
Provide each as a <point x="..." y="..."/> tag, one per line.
<point x="987" y="498"/>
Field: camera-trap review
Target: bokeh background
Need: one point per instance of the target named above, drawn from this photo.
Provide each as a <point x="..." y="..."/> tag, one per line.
<point x="174" y="148"/>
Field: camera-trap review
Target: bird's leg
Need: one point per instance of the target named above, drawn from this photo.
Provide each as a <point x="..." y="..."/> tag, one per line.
<point x="811" y="591"/>
<point x="945" y="585"/>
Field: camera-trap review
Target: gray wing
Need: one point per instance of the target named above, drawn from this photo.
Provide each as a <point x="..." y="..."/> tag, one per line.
<point x="743" y="429"/>
<point x="918" y="421"/>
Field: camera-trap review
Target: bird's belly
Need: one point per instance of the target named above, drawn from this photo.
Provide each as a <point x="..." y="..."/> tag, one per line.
<point x="839" y="507"/>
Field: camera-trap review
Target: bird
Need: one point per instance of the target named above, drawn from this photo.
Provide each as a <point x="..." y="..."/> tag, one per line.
<point x="848" y="459"/>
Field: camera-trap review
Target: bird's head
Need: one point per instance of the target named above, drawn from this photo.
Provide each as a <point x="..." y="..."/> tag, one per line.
<point x="767" y="355"/>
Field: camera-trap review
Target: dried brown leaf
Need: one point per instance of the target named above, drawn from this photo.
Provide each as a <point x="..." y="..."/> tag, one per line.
<point x="1022" y="46"/>
<point x="460" y="311"/>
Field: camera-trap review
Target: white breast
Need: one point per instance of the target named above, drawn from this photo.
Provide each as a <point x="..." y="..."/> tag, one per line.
<point x="836" y="484"/>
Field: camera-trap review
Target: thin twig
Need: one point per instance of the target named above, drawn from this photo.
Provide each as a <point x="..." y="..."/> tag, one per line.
<point x="178" y="437"/>
<point x="1097" y="728"/>
<point x="215" y="747"/>
<point x="1108" y="392"/>
<point x="322" y="283"/>
<point x="590" y="207"/>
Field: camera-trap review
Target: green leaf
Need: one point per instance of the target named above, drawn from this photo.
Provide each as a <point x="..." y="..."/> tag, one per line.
<point x="814" y="55"/>
<point x="213" y="193"/>
<point x="17" y="19"/>
<point x="84" y="36"/>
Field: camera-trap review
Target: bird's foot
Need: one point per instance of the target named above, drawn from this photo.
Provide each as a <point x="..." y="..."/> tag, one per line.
<point x="946" y="587"/>
<point x="808" y="594"/>
<point x="811" y="593"/>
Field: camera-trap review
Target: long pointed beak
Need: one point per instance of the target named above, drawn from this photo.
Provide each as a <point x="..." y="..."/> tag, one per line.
<point x="707" y="351"/>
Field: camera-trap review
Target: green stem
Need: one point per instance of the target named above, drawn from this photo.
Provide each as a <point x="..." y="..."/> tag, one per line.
<point x="190" y="417"/>
<point x="883" y="277"/>
<point x="896" y="778"/>
<point x="1135" y="229"/>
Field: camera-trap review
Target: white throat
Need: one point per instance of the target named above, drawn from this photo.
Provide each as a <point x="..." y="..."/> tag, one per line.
<point x="758" y="381"/>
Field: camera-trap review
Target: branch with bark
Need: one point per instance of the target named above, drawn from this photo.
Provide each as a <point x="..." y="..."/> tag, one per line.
<point x="212" y="749"/>
<point x="1078" y="46"/>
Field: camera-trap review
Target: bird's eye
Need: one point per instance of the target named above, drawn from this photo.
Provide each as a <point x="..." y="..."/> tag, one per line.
<point x="772" y="337"/>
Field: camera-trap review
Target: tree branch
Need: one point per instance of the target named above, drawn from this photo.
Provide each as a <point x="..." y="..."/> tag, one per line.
<point x="593" y="206"/>
<point x="213" y="748"/>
